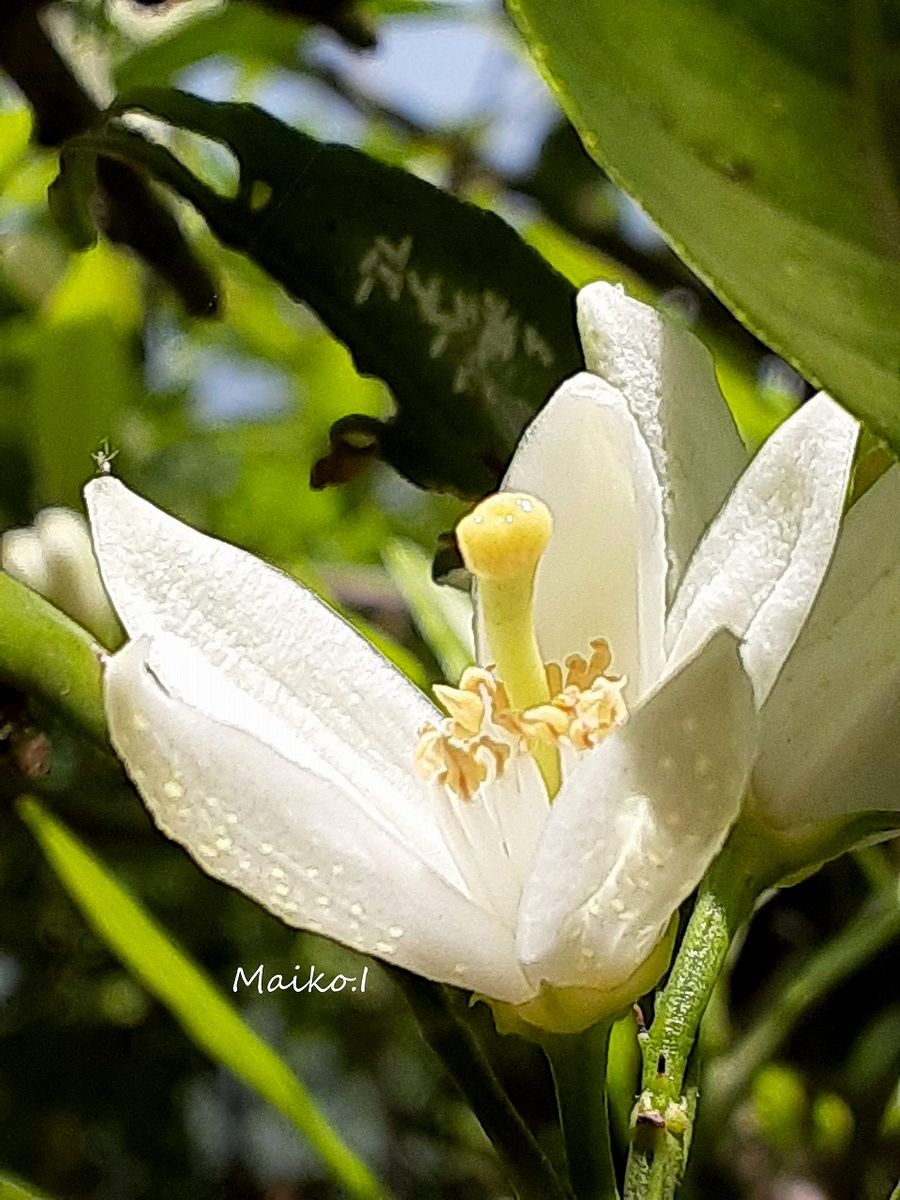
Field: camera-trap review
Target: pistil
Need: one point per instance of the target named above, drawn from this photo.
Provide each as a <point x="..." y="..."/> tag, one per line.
<point x="502" y="541"/>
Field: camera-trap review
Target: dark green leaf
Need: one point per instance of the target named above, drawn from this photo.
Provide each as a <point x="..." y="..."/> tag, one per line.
<point x="763" y="138"/>
<point x="470" y="328"/>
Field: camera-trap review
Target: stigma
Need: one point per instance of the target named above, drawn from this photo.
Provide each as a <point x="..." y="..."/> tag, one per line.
<point x="504" y="537"/>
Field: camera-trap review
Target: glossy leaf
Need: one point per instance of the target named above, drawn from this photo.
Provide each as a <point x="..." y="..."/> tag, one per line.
<point x="470" y="328"/>
<point x="192" y="998"/>
<point x="762" y="138"/>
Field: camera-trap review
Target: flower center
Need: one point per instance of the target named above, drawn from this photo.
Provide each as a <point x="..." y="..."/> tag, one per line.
<point x="520" y="705"/>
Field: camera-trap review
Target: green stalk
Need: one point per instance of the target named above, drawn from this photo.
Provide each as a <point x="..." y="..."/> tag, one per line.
<point x="579" y="1065"/>
<point x="44" y="653"/>
<point x="664" y="1113"/>
<point x="527" y="1167"/>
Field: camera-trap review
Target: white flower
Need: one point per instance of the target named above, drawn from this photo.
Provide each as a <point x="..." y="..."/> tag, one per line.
<point x="269" y="739"/>
<point x="831" y="728"/>
<point x="54" y="557"/>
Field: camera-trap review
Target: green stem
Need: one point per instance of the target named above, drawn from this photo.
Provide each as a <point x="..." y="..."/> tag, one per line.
<point x="664" y="1114"/>
<point x="43" y="653"/>
<point x="579" y="1074"/>
<point x="527" y="1167"/>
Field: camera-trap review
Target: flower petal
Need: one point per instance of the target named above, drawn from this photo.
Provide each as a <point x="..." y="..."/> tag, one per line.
<point x="603" y="574"/>
<point x="635" y="827"/>
<point x="276" y="824"/>
<point x="759" y="567"/>
<point x="278" y="644"/>
<point x="667" y="377"/>
<point x="831" y="727"/>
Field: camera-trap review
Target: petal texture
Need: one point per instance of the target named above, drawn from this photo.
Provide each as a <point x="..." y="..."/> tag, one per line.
<point x="831" y="728"/>
<point x="636" y="825"/>
<point x="277" y="825"/>
<point x="758" y="569"/>
<point x="603" y="574"/>
<point x="279" y="645"/>
<point x="666" y="375"/>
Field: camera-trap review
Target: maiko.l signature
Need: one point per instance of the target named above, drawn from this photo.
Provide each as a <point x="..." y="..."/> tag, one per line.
<point x="315" y="981"/>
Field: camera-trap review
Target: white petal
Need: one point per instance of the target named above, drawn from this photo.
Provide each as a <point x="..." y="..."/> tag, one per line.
<point x="270" y="821"/>
<point x="831" y="727"/>
<point x="603" y="574"/>
<point x="666" y="375"/>
<point x="24" y="559"/>
<point x="635" y="827"/>
<point x="493" y="835"/>
<point x="277" y="643"/>
<point x="74" y="581"/>
<point x="759" y="567"/>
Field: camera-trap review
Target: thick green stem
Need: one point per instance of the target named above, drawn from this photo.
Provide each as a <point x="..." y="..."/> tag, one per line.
<point x="527" y="1167"/>
<point x="664" y="1113"/>
<point x="722" y="906"/>
<point x="43" y="653"/>
<point x="579" y="1074"/>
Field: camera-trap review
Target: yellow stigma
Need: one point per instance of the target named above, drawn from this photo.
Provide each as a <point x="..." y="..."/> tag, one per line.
<point x="504" y="536"/>
<point x="501" y="542"/>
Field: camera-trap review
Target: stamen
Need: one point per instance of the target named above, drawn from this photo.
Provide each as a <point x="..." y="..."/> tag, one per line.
<point x="474" y="744"/>
<point x="581" y="674"/>
<point x="522" y="705"/>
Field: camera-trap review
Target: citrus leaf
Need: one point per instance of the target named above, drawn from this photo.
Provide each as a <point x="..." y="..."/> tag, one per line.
<point x="469" y="327"/>
<point x="762" y="138"/>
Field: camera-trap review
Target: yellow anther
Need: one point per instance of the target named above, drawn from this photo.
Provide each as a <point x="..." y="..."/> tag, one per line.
<point x="504" y="536"/>
<point x="581" y="674"/>
<point x="474" y="744"/>
<point x="465" y="707"/>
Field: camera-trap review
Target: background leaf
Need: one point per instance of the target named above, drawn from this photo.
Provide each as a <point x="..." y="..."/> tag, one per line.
<point x="469" y="327"/>
<point x="763" y="140"/>
<point x="189" y="995"/>
<point x="15" y="1189"/>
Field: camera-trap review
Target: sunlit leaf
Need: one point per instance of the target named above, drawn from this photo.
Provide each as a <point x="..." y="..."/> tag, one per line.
<point x="251" y="34"/>
<point x="85" y="371"/>
<point x="763" y="140"/>
<point x="12" y="1188"/>
<point x="15" y="131"/>
<point x="442" y="615"/>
